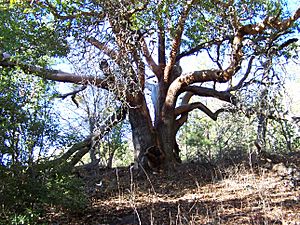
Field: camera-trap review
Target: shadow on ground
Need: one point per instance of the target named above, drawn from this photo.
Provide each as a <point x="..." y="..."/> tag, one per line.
<point x="196" y="193"/>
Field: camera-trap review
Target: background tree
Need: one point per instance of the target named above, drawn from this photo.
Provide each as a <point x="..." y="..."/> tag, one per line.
<point x="265" y="118"/>
<point x="114" y="149"/>
<point x="123" y="45"/>
<point x="84" y="108"/>
<point x="30" y="130"/>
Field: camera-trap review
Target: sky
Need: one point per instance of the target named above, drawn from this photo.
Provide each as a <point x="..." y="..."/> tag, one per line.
<point x="293" y="5"/>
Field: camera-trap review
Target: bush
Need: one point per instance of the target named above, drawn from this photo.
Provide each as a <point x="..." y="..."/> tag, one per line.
<point x="25" y="194"/>
<point x="29" y="132"/>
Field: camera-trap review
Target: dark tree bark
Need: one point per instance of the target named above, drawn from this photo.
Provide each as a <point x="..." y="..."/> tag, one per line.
<point x="143" y="134"/>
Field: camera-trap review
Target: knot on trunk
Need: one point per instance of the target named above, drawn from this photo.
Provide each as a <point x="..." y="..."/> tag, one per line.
<point x="153" y="159"/>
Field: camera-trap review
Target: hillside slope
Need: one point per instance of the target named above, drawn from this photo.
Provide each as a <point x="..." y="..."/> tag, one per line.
<point x="194" y="194"/>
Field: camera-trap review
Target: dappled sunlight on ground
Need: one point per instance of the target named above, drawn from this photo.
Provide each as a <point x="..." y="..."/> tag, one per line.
<point x="195" y="194"/>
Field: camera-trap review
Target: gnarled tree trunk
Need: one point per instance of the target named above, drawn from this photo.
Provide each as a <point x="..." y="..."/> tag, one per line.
<point x="154" y="146"/>
<point x="154" y="142"/>
<point x="143" y="134"/>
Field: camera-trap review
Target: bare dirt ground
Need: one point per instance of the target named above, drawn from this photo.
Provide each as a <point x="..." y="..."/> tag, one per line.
<point x="194" y="194"/>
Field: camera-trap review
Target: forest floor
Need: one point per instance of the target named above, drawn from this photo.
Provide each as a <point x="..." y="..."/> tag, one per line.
<point x="195" y="193"/>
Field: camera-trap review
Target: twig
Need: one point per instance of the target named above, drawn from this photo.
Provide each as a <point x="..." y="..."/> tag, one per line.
<point x="76" y="91"/>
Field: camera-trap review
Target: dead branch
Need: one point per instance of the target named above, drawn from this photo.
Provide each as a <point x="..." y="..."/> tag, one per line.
<point x="78" y="150"/>
<point x="287" y="43"/>
<point x="103" y="47"/>
<point x="154" y="67"/>
<point x="76" y="91"/>
<point x="241" y="82"/>
<point x="56" y="75"/>
<point x="200" y="47"/>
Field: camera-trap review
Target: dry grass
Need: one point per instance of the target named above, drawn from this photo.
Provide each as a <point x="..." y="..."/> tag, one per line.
<point x="192" y="196"/>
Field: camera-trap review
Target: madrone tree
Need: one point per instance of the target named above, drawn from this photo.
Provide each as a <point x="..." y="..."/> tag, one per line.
<point x="127" y="46"/>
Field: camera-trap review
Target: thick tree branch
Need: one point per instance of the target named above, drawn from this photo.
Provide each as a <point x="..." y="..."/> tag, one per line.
<point x="189" y="78"/>
<point x="56" y="75"/>
<point x="222" y="76"/>
<point x="153" y="66"/>
<point x="269" y="22"/>
<point x="177" y="40"/>
<point x="254" y="29"/>
<point x="208" y="92"/>
<point x="198" y="105"/>
<point x="103" y="47"/>
<point x="184" y="116"/>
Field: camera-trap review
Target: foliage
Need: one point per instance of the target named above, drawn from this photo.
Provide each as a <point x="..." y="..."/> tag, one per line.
<point x="282" y="136"/>
<point x="27" y="191"/>
<point x="29" y="127"/>
<point x="28" y="135"/>
<point x="196" y="140"/>
<point x="207" y="141"/>
<point x="233" y="135"/>
<point x="23" y="34"/>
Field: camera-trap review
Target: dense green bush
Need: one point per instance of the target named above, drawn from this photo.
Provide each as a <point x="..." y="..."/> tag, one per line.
<point x="26" y="193"/>
<point x="29" y="133"/>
